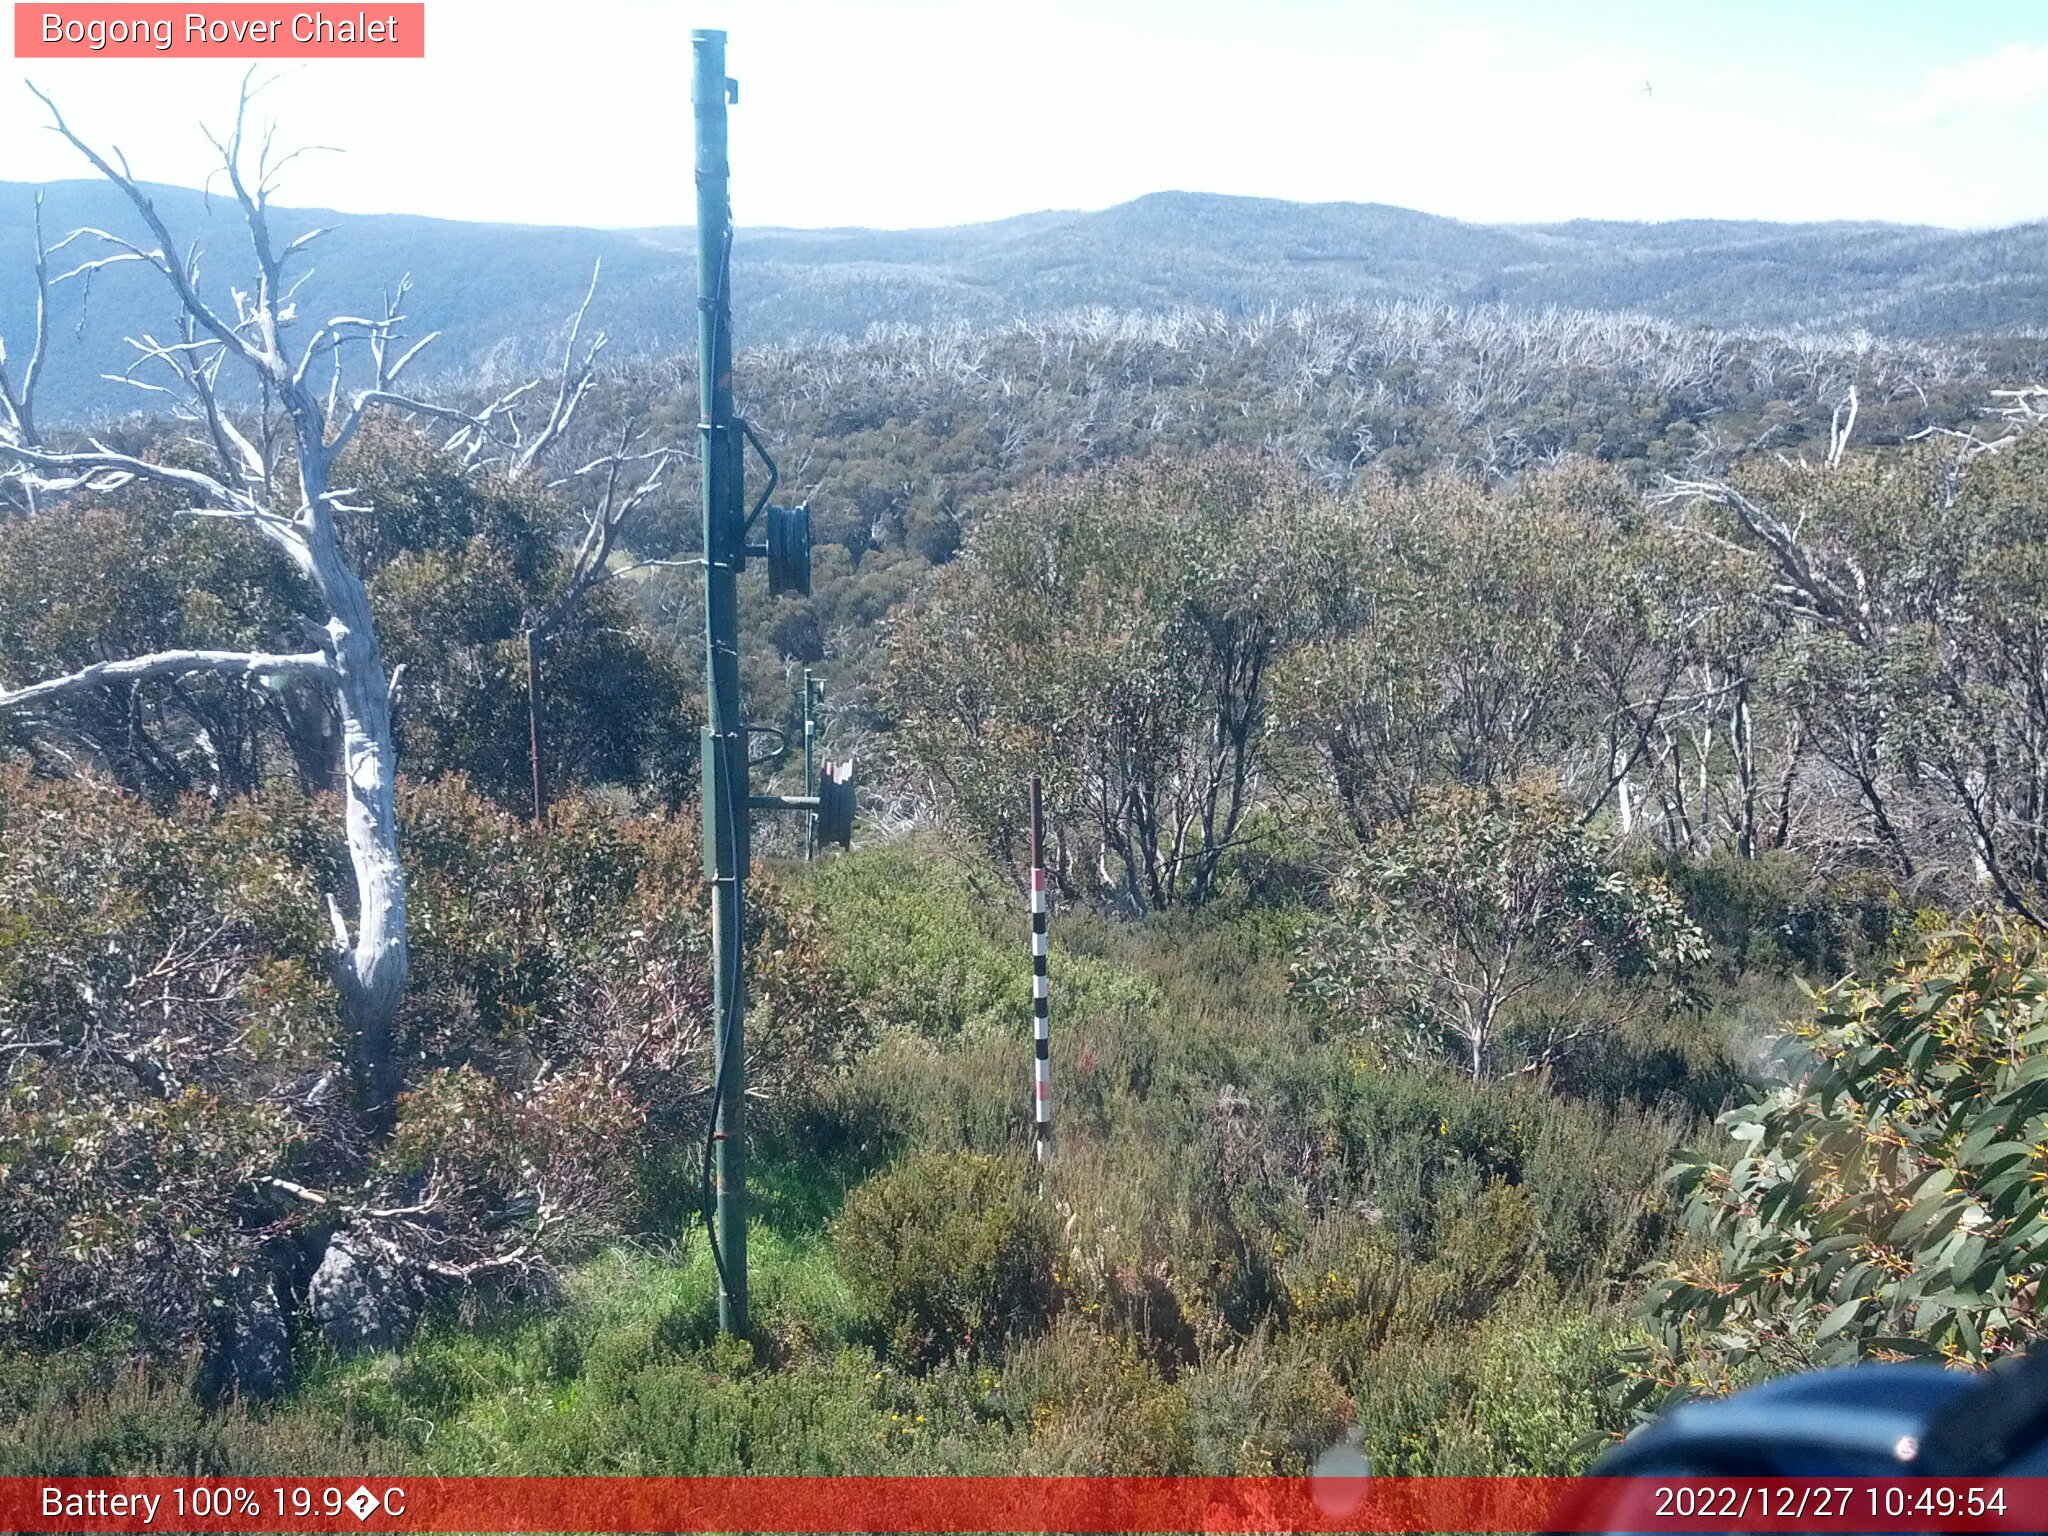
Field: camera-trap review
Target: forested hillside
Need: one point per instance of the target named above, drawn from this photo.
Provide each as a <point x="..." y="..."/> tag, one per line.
<point x="1544" y="816"/>
<point x="493" y="289"/>
<point x="903" y="437"/>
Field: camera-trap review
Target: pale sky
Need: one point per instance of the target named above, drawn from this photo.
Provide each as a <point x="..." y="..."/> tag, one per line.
<point x="902" y="113"/>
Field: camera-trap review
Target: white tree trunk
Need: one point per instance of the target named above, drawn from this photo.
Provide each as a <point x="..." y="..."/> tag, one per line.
<point x="372" y="968"/>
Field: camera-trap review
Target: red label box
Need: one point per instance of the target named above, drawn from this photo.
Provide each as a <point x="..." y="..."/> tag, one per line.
<point x="1122" y="1505"/>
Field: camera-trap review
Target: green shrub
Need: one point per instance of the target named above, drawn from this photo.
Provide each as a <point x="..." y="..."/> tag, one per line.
<point x="1547" y="1398"/>
<point x="641" y="1409"/>
<point x="911" y="937"/>
<point x="1421" y="1147"/>
<point x="941" y="953"/>
<point x="1773" y="913"/>
<point x="911" y="1095"/>
<point x="1535" y="1391"/>
<point x="97" y="1418"/>
<point x="1886" y="1198"/>
<point x="1094" y="1406"/>
<point x="1482" y="1247"/>
<point x="1263" y="1409"/>
<point x="947" y="1254"/>
<point x="1489" y="930"/>
<point x="1349" y="1293"/>
<point x="1691" y="1065"/>
<point x="174" y="1055"/>
<point x="561" y="979"/>
<point x="1176" y="1225"/>
<point x="166" y="1019"/>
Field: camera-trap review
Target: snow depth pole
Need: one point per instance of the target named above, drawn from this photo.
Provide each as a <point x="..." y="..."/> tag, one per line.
<point x="724" y="802"/>
<point x="1041" y="1017"/>
<point x="540" y="783"/>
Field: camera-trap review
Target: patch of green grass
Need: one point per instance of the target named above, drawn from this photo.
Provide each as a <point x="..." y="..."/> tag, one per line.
<point x="942" y="953"/>
<point x="459" y="1398"/>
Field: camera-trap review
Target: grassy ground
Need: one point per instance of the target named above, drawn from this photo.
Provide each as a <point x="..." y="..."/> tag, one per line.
<point x="1254" y="1241"/>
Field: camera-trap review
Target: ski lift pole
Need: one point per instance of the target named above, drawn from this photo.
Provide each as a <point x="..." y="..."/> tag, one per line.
<point x="728" y="803"/>
<point x="1041" y="1016"/>
<point x="725" y="738"/>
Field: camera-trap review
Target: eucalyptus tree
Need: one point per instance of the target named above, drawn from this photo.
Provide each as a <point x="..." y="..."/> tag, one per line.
<point x="270" y="403"/>
<point x="1881" y="1197"/>
<point x="1494" y="634"/>
<point x="1490" y="926"/>
<point x="1116" y="633"/>
<point x="1912" y="583"/>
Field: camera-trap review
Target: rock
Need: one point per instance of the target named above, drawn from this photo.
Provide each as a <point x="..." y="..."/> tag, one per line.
<point x="259" y="1353"/>
<point x="360" y="1299"/>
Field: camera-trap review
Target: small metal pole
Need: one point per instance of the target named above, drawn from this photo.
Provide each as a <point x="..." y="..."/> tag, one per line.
<point x="810" y="766"/>
<point x="1041" y="1018"/>
<point x="540" y="783"/>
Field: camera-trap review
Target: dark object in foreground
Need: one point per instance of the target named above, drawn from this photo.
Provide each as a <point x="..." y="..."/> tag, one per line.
<point x="1913" y="1421"/>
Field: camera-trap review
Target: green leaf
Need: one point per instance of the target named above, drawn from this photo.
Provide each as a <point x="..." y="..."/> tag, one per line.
<point x="1997" y="1156"/>
<point x="1839" y="1318"/>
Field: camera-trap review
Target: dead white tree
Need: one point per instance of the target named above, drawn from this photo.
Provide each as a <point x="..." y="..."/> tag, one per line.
<point x="18" y="396"/>
<point x="269" y="446"/>
<point x="608" y="492"/>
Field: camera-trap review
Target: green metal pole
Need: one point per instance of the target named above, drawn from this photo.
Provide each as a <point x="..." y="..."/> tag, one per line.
<point x="725" y="742"/>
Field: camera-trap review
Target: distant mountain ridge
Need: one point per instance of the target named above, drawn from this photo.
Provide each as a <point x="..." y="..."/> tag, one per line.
<point x="499" y="292"/>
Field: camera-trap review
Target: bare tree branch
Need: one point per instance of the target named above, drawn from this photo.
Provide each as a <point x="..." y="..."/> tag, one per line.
<point x="249" y="665"/>
<point x="1826" y="598"/>
<point x="103" y="469"/>
<point x="575" y="384"/>
<point x="19" y="399"/>
<point x="606" y="517"/>
<point x="1840" y="427"/>
<point x="188" y="295"/>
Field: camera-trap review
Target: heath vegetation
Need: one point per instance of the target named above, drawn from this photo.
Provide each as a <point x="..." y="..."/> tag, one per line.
<point x="1546" y="826"/>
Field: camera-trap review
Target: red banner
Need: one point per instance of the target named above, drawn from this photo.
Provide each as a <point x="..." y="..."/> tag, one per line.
<point x="1021" y="1504"/>
<point x="231" y="31"/>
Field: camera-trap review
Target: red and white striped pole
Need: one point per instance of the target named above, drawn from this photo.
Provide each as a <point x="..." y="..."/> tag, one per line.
<point x="1041" y="1018"/>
